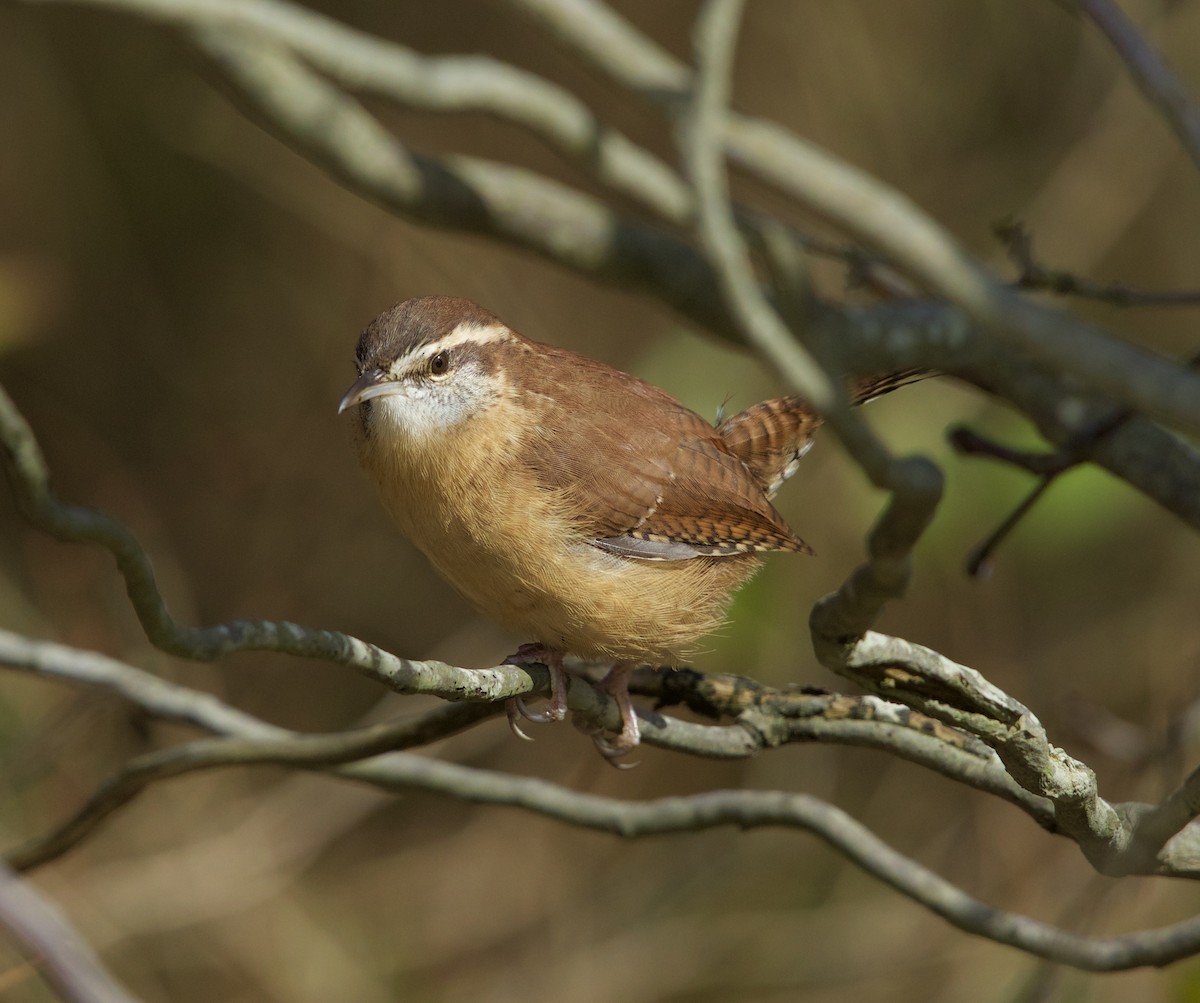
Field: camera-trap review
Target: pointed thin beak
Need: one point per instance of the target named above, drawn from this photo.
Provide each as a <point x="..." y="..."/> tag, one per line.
<point x="373" y="382"/>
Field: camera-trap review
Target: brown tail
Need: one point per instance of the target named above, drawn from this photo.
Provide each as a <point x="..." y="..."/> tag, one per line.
<point x="771" y="437"/>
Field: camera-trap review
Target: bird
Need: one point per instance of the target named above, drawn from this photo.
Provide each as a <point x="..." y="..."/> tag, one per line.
<point x="571" y="502"/>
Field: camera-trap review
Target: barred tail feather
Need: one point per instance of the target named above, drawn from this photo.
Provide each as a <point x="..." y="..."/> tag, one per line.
<point x="772" y="437"/>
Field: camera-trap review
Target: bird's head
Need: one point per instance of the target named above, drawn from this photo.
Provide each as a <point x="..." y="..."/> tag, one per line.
<point x="428" y="365"/>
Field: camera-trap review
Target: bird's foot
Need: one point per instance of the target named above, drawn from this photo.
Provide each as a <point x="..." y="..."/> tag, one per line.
<point x="613" y="747"/>
<point x="556" y="708"/>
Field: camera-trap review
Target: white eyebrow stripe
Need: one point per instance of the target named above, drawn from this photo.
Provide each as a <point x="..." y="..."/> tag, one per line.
<point x="466" y="333"/>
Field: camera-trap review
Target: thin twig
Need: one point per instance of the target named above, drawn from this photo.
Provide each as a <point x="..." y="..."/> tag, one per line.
<point x="979" y="560"/>
<point x="700" y="139"/>
<point x="65" y="959"/>
<point x="1048" y="467"/>
<point x="256" y="743"/>
<point x="1031" y="274"/>
<point x="1150" y="71"/>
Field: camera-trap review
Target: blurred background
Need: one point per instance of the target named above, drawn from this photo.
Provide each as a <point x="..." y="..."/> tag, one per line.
<point x="179" y="300"/>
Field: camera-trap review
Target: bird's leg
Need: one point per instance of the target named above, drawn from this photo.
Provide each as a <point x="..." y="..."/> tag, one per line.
<point x="616" y="685"/>
<point x="556" y="709"/>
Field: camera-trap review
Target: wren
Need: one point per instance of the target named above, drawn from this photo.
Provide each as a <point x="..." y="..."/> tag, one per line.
<point x="576" y="505"/>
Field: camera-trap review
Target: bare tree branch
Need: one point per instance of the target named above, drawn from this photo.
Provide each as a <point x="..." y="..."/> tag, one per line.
<point x="755" y="809"/>
<point x="769" y="720"/>
<point x="1031" y="274"/>
<point x="250" y="740"/>
<point x="700" y="137"/>
<point x="890" y="223"/>
<point x="367" y="64"/>
<point x="1149" y="71"/>
<point x="61" y="953"/>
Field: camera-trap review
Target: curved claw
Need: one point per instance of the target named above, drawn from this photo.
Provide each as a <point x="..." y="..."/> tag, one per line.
<point x="556" y="709"/>
<point x="553" y="711"/>
<point x="613" y="749"/>
<point x="621" y="744"/>
<point x="616" y="684"/>
<point x="515" y="710"/>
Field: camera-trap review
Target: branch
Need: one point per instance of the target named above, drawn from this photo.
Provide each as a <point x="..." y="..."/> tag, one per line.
<point x="247" y="740"/>
<point x="257" y="743"/>
<point x="700" y="139"/>
<point x="68" y="963"/>
<point x="757" y="809"/>
<point x="1164" y="467"/>
<point x="450" y="84"/>
<point x="924" y="335"/>
<point x="777" y="717"/>
<point x="765" y="719"/>
<point x="1149" y="71"/>
<point x="961" y="697"/>
<point x="887" y="221"/>
<point x="1159" y="827"/>
<point x="1031" y="274"/>
<point x="847" y="614"/>
<point x="1047" y="466"/>
<point x="469" y="194"/>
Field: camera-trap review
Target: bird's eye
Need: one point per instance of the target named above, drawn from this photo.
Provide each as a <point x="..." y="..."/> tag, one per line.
<point x="439" y="365"/>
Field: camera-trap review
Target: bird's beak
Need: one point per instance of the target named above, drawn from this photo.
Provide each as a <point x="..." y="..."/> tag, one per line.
<point x="373" y="382"/>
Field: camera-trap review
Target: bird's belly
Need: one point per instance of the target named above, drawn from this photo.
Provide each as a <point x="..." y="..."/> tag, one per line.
<point x="546" y="584"/>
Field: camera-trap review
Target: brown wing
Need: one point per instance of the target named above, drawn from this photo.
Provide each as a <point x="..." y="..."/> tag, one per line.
<point x="664" y="485"/>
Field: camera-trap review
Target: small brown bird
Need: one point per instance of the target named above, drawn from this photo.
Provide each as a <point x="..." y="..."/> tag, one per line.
<point x="575" y="504"/>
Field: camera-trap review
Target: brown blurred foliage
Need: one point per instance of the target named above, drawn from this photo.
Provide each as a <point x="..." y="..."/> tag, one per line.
<point x="179" y="300"/>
